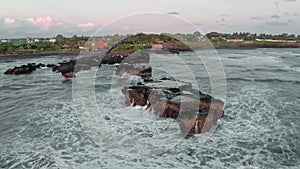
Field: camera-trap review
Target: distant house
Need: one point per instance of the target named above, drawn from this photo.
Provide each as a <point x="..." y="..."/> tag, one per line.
<point x="216" y="36"/>
<point x="234" y="40"/>
<point x="158" y="44"/>
<point x="100" y="44"/>
<point x="159" y="41"/>
<point x="29" y="40"/>
<point x="4" y="40"/>
<point x="52" y="40"/>
<point x="269" y="40"/>
<point x="65" y="47"/>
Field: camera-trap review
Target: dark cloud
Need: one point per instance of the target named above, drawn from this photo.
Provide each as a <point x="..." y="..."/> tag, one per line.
<point x="173" y="13"/>
<point x="256" y="18"/>
<point x="275" y="16"/>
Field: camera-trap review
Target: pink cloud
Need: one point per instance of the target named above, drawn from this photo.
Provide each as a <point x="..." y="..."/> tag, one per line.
<point x="46" y="22"/>
<point x="9" y="20"/>
<point x="89" y="24"/>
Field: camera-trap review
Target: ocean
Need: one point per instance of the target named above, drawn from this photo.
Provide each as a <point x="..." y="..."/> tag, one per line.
<point x="47" y="122"/>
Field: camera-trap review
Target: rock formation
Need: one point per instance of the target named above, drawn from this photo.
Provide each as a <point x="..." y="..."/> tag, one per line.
<point x="127" y="57"/>
<point x="135" y="70"/>
<point x="196" y="112"/>
<point x="24" y="69"/>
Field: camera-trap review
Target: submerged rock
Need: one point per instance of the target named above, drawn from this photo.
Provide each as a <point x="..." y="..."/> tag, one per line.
<point x="196" y="112"/>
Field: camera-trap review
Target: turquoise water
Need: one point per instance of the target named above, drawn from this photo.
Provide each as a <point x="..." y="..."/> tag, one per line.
<point x="39" y="126"/>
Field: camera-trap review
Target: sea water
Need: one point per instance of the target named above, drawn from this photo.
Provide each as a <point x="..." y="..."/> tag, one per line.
<point x="40" y="126"/>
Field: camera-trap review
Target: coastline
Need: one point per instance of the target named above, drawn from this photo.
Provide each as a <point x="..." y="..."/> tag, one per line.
<point x="14" y="56"/>
<point x="256" y="46"/>
<point x="35" y="55"/>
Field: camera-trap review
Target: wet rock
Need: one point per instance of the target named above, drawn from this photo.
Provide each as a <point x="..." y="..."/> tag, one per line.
<point x="70" y="68"/>
<point x="135" y="70"/>
<point x="9" y="71"/>
<point x="66" y="68"/>
<point x="40" y="65"/>
<point x="50" y="65"/>
<point x="139" y="57"/>
<point x="196" y="112"/>
<point x="55" y="68"/>
<point x="24" y="69"/>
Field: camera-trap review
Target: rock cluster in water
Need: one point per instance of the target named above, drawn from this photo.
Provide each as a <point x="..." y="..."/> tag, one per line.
<point x="196" y="112"/>
<point x="24" y="69"/>
<point x="68" y="68"/>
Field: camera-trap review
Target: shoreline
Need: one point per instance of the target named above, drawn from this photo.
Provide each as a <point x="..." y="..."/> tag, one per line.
<point x="12" y="57"/>
<point x="35" y="55"/>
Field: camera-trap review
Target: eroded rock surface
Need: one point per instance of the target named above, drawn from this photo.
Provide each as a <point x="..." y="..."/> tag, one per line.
<point x="24" y="69"/>
<point x="196" y="112"/>
<point x="143" y="71"/>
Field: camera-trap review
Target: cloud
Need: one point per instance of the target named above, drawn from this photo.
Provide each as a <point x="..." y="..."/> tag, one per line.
<point x="46" y="22"/>
<point x="173" y="13"/>
<point x="256" y="18"/>
<point x="35" y="27"/>
<point x="9" y="20"/>
<point x="126" y="27"/>
<point x="222" y="24"/>
<point x="275" y="16"/>
<point x="197" y="24"/>
<point x="85" y="25"/>
<point x="290" y="21"/>
<point x="276" y="3"/>
<point x="291" y="0"/>
<point x="221" y="20"/>
<point x="277" y="23"/>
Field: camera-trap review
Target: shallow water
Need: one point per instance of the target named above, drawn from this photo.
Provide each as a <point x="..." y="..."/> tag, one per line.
<point x="41" y="125"/>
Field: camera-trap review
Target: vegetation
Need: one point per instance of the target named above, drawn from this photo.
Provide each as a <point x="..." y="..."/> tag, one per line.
<point x="141" y="41"/>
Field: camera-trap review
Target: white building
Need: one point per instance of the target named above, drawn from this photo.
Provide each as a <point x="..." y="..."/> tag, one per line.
<point x="52" y="40"/>
<point x="4" y="40"/>
<point x="234" y="40"/>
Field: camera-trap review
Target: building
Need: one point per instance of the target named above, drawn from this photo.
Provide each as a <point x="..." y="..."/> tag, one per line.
<point x="65" y="47"/>
<point x="100" y="44"/>
<point x="234" y="40"/>
<point x="4" y="40"/>
<point x="29" y="40"/>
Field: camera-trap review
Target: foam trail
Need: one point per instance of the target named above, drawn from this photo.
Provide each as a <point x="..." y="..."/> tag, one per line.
<point x="196" y="125"/>
<point x="132" y="103"/>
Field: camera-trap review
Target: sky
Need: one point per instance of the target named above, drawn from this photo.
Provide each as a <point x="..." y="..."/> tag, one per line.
<point x="44" y="18"/>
